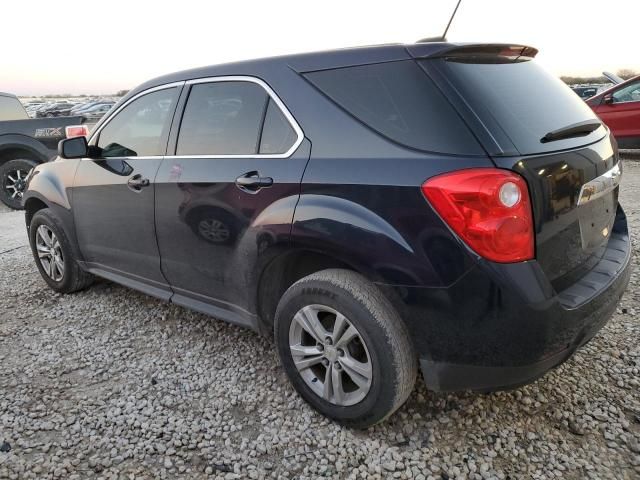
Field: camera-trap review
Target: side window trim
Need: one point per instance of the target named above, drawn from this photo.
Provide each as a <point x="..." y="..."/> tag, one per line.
<point x="95" y="136"/>
<point x="271" y="97"/>
<point x="262" y="120"/>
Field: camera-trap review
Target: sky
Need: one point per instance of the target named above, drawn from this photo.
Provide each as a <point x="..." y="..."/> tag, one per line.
<point x="95" y="47"/>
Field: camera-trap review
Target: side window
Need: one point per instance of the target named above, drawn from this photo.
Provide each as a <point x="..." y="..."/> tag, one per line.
<point x="277" y="134"/>
<point x="399" y="101"/>
<point x="630" y="93"/>
<point x="222" y="118"/>
<point x="138" y="129"/>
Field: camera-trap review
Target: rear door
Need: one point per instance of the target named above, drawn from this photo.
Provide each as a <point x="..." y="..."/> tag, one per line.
<point x="622" y="115"/>
<point x="531" y="122"/>
<point x="226" y="193"/>
<point x="113" y="193"/>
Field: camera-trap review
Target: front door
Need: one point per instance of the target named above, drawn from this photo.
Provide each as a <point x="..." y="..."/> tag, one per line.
<point x="225" y="199"/>
<point x="113" y="193"/>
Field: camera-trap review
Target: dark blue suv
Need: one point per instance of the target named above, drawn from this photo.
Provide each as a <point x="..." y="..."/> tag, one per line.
<point x="447" y="206"/>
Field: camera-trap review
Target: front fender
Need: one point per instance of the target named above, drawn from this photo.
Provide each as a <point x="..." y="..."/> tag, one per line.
<point x="51" y="183"/>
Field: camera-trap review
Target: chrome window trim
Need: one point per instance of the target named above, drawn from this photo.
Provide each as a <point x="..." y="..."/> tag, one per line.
<point x="226" y="78"/>
<point x="135" y="97"/>
<point x="285" y="111"/>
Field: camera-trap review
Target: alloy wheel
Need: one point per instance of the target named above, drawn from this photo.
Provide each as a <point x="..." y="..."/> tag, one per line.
<point x="50" y="253"/>
<point x="14" y="183"/>
<point x="330" y="355"/>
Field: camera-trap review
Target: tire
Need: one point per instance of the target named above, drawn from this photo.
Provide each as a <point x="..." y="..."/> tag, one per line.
<point x="9" y="181"/>
<point x="383" y="347"/>
<point x="73" y="278"/>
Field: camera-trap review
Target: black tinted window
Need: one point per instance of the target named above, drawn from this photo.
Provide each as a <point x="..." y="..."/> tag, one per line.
<point x="222" y="118"/>
<point x="525" y="101"/>
<point x="11" y="109"/>
<point x="398" y="100"/>
<point x="139" y="128"/>
<point x="277" y="135"/>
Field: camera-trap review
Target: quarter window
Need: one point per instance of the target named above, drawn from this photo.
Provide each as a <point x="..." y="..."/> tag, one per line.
<point x="222" y="118"/>
<point x="140" y="128"/>
<point x="277" y="134"/>
<point x="399" y="101"/>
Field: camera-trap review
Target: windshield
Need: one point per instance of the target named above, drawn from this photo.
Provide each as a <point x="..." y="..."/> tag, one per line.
<point x="524" y="100"/>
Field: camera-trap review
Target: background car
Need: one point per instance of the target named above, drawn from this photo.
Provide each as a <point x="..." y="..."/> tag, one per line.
<point x="619" y="109"/>
<point x="78" y="109"/>
<point x="53" y="109"/>
<point x="96" y="112"/>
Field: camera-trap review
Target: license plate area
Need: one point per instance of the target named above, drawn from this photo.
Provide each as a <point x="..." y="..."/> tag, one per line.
<point x="597" y="208"/>
<point x="596" y="221"/>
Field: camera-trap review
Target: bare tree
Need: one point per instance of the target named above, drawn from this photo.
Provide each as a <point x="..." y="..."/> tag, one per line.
<point x="626" y="73"/>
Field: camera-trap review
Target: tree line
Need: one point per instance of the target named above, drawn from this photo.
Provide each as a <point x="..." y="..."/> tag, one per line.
<point x="624" y="73"/>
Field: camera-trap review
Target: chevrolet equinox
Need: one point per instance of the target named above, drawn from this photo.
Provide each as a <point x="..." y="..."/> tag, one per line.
<point x="451" y="207"/>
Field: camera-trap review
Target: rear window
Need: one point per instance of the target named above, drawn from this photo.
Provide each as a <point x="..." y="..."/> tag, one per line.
<point x="11" y="109"/>
<point x="399" y="101"/>
<point x="526" y="101"/>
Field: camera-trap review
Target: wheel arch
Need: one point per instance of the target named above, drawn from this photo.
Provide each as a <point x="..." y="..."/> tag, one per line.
<point x="14" y="147"/>
<point x="286" y="269"/>
<point x="32" y="205"/>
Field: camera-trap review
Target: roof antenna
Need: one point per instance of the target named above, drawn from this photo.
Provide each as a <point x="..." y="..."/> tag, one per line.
<point x="442" y="38"/>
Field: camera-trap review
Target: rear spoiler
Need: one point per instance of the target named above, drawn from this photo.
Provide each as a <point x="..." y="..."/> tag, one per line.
<point x="452" y="50"/>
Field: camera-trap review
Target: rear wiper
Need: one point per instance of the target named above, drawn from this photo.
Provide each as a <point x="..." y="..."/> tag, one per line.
<point x="573" y="130"/>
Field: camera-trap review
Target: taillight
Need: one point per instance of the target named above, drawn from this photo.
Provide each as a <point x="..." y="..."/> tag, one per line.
<point x="488" y="208"/>
<point x="76" y="131"/>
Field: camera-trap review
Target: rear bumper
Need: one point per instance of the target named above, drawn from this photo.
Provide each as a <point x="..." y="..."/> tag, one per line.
<point x="501" y="326"/>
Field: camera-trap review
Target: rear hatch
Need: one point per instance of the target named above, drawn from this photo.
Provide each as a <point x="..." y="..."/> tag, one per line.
<point x="529" y="121"/>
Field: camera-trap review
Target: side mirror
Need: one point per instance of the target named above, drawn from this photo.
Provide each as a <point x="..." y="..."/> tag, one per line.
<point x="75" y="147"/>
<point x="608" y="99"/>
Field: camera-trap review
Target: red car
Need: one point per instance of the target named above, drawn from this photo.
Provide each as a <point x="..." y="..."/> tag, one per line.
<point x="619" y="108"/>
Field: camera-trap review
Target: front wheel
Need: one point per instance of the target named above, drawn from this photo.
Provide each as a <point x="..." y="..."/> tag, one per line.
<point x="54" y="254"/>
<point x="13" y="175"/>
<point x="344" y="347"/>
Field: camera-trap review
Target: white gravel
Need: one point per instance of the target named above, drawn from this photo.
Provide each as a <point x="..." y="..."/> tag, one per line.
<point x="109" y="383"/>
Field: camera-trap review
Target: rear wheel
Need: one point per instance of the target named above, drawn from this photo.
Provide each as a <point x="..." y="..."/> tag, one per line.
<point x="344" y="347"/>
<point x="13" y="175"/>
<point x="54" y="254"/>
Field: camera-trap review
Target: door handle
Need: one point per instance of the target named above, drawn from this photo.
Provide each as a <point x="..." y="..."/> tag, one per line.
<point x="252" y="182"/>
<point x="137" y="182"/>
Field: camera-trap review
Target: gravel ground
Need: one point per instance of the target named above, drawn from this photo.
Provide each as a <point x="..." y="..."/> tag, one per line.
<point x="109" y="383"/>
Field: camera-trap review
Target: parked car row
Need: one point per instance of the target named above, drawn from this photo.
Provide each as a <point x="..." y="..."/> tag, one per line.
<point x="92" y="110"/>
<point x="588" y="91"/>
